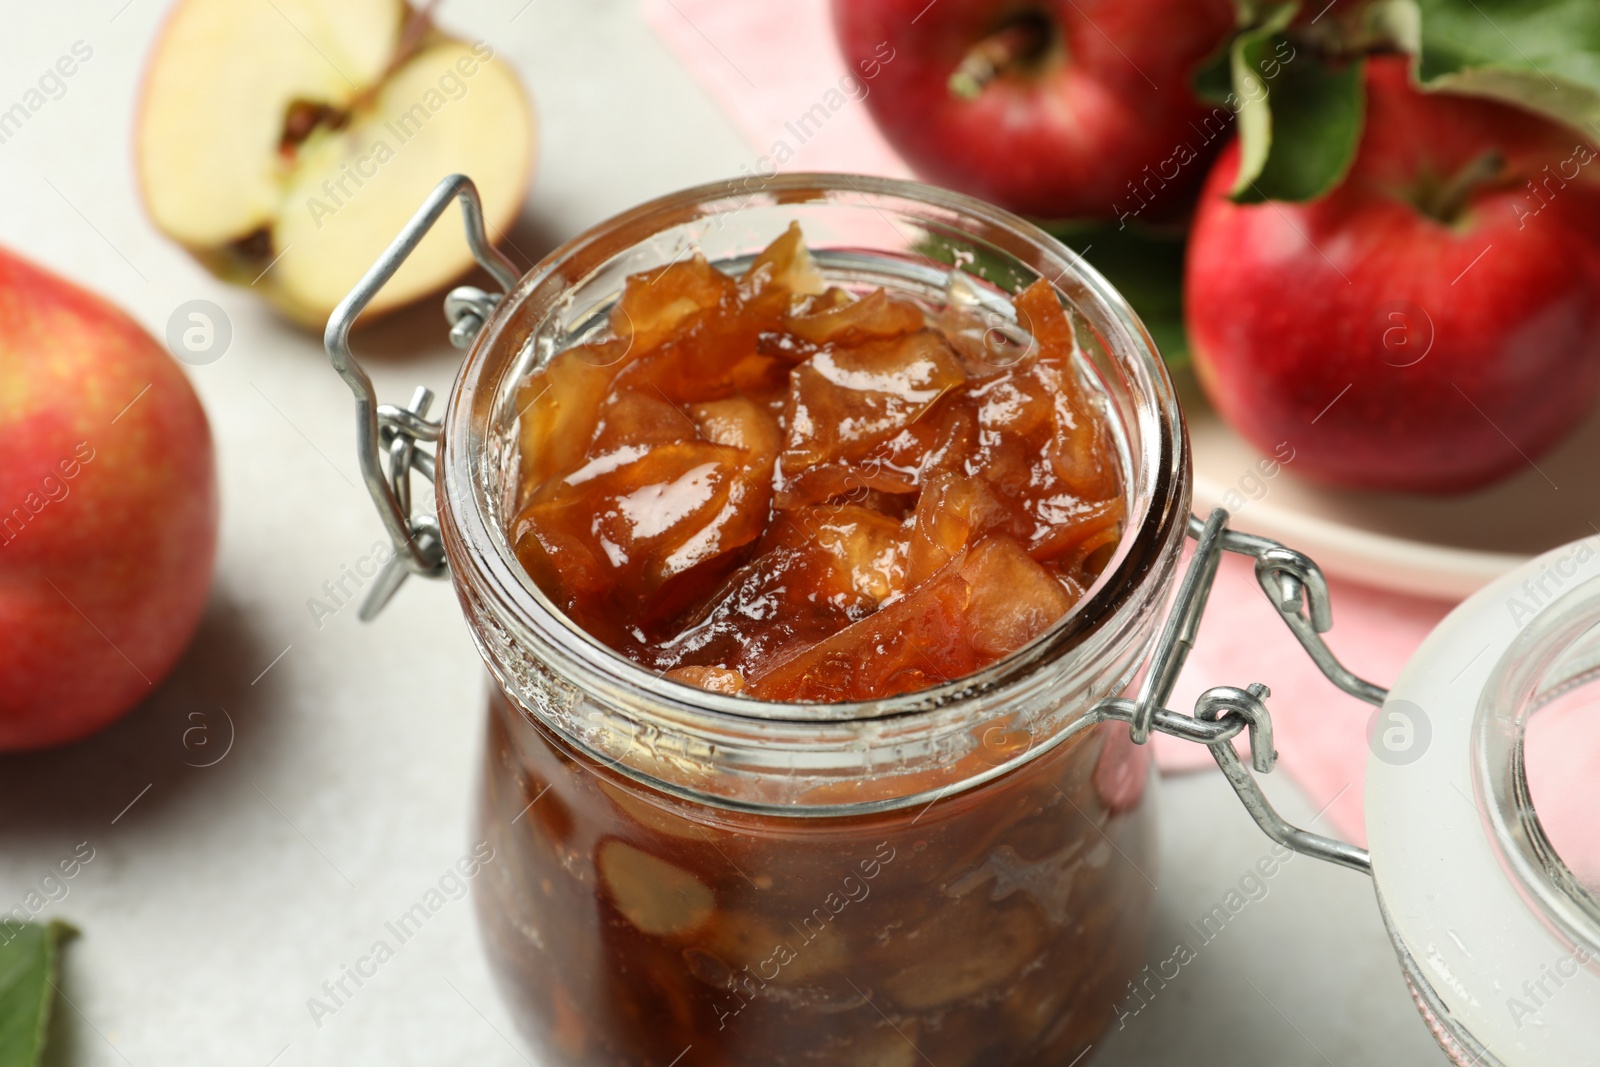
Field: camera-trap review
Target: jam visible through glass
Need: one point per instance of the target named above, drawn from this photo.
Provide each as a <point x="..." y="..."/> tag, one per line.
<point x="996" y="927"/>
<point x="771" y="486"/>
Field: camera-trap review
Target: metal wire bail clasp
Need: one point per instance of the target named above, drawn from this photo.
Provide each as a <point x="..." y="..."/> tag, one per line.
<point x="387" y="437"/>
<point x="1297" y="589"/>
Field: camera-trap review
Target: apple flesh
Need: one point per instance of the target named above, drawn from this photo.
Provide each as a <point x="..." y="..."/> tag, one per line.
<point x="1431" y="325"/>
<point x="1057" y="109"/>
<point x="108" y="510"/>
<point x="285" y="144"/>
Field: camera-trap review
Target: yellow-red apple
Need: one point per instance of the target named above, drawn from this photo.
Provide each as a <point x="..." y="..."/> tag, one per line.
<point x="108" y="510"/>
<point x="1058" y="108"/>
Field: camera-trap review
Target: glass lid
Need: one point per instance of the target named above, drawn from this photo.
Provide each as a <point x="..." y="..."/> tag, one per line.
<point x="1483" y="792"/>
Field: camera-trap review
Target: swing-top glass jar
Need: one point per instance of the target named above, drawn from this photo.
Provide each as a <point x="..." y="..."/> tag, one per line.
<point x="963" y="873"/>
<point x="689" y="874"/>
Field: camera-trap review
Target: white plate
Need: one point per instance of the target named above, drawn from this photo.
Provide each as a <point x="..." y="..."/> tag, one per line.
<point x="1446" y="546"/>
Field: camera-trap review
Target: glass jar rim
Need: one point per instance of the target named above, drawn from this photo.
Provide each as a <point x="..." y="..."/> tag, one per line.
<point x="465" y="484"/>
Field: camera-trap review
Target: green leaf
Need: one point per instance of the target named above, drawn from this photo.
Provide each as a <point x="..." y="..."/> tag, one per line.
<point x="1539" y="54"/>
<point x="1146" y="267"/>
<point x="1317" y="113"/>
<point x="1250" y="96"/>
<point x="28" y="955"/>
<point x="1300" y="115"/>
<point x="1213" y="79"/>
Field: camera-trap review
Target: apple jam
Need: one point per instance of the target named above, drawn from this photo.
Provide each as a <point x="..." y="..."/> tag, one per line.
<point x="770" y="486"/>
<point x="995" y="927"/>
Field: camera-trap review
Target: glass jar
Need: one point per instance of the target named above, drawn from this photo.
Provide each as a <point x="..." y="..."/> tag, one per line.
<point x="687" y="877"/>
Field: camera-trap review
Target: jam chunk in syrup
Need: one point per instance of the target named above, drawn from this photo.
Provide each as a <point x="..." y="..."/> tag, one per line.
<point x="769" y="486"/>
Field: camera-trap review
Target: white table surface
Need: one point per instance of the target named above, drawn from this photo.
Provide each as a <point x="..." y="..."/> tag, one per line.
<point x="221" y="900"/>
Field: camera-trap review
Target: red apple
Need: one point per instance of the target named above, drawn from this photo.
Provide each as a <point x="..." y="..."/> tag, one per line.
<point x="108" y="510"/>
<point x="1433" y="324"/>
<point x="1053" y="108"/>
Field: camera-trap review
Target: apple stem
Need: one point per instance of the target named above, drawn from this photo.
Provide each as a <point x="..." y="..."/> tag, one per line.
<point x="1451" y="198"/>
<point x="1014" y="44"/>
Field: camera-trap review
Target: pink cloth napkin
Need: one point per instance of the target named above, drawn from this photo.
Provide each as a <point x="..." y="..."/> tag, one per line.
<point x="768" y="65"/>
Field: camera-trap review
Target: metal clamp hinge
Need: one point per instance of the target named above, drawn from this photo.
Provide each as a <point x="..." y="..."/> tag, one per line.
<point x="1298" y="590"/>
<point x="388" y="438"/>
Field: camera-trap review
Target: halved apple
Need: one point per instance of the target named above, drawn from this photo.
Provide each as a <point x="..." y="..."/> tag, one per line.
<point x="285" y="143"/>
